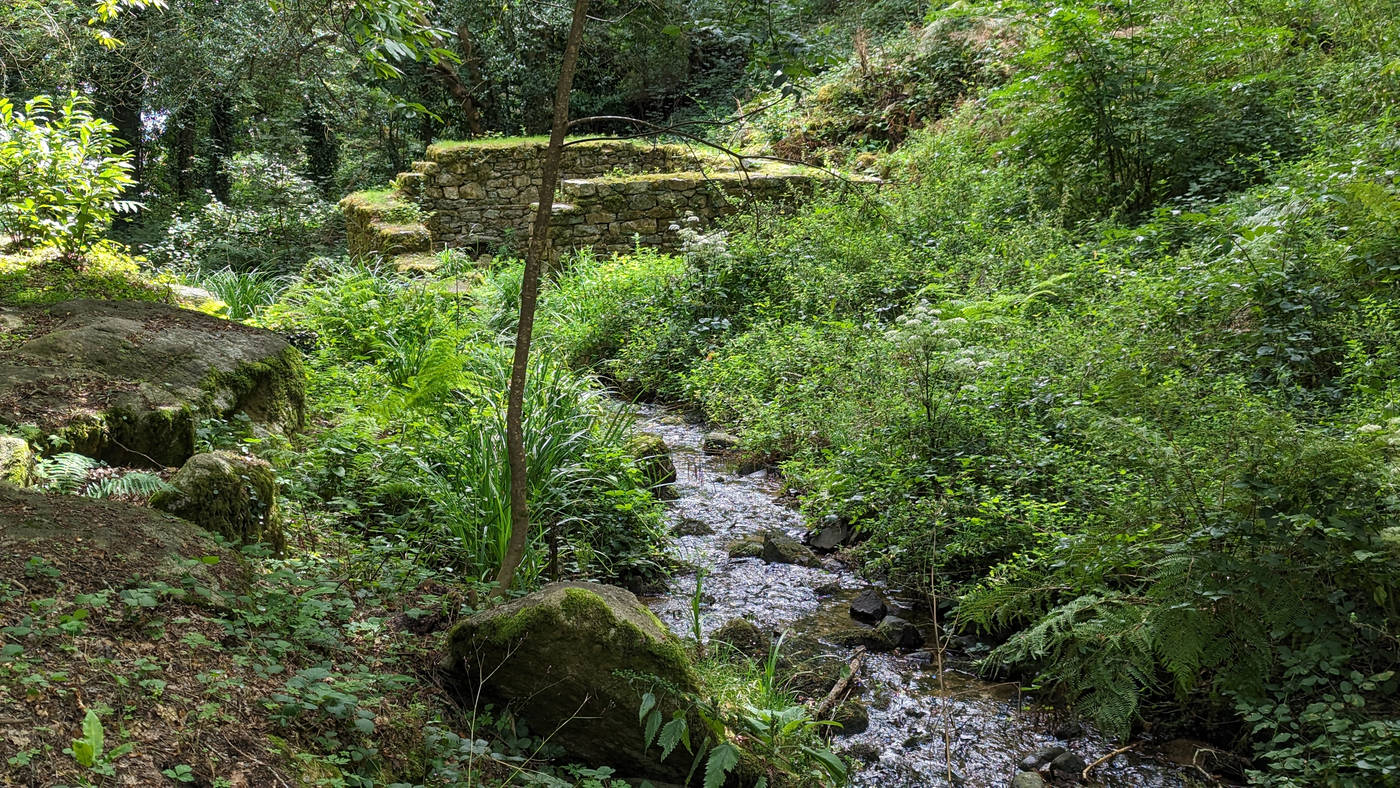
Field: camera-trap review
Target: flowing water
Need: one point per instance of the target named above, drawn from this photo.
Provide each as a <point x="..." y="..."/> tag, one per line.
<point x="922" y="730"/>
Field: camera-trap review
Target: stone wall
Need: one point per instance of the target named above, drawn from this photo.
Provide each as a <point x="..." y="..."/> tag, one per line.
<point x="614" y="193"/>
<point x="613" y="214"/>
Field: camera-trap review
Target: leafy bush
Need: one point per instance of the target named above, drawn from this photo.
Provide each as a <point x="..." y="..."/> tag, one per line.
<point x="61" y="179"/>
<point x="274" y="221"/>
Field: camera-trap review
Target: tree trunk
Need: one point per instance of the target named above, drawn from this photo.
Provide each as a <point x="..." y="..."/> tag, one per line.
<point x="529" y="293"/>
<point x="220" y="146"/>
<point x="182" y="142"/>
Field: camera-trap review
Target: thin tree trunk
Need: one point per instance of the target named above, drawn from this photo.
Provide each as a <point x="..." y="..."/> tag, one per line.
<point x="529" y="293"/>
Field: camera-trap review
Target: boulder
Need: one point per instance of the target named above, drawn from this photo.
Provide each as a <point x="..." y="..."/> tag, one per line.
<point x="832" y="534"/>
<point x="779" y="548"/>
<point x="1028" y="780"/>
<point x="745" y="637"/>
<point x="227" y="493"/>
<point x="869" y="607"/>
<point x="128" y="381"/>
<point x="653" y="459"/>
<point x="718" y="442"/>
<point x="573" y="660"/>
<point x="98" y="545"/>
<point x="16" y="461"/>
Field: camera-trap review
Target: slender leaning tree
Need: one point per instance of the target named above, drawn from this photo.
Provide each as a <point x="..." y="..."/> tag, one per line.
<point x="529" y="296"/>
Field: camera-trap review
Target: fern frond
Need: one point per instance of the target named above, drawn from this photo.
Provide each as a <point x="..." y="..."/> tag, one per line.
<point x="66" y="472"/>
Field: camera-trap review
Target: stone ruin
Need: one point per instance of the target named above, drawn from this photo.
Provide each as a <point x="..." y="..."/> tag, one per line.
<point x="613" y="194"/>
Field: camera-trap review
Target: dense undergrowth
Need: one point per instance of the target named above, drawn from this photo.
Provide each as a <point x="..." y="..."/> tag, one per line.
<point x="1113" y="361"/>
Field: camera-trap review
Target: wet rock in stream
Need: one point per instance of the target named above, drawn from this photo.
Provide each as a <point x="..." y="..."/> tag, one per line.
<point x="1028" y="780"/>
<point x="745" y="548"/>
<point x="779" y="548"/>
<point x="718" y="443"/>
<point x="745" y="637"/>
<point x="1067" y="766"/>
<point x="869" y="607"/>
<point x="1039" y="758"/>
<point x="833" y="534"/>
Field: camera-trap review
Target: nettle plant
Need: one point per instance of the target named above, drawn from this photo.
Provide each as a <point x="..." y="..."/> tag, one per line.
<point x="61" y="177"/>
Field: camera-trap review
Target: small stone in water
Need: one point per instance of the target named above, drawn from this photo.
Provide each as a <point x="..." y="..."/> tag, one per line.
<point x="1028" y="780"/>
<point x="1069" y="730"/>
<point x="1067" y="765"/>
<point x="869" y="607"/>
<point x="1040" y="757"/>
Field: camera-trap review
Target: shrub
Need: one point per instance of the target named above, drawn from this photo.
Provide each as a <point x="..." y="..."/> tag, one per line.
<point x="61" y="179"/>
<point x="274" y="221"/>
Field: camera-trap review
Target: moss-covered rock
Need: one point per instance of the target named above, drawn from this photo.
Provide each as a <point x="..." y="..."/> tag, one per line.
<point x="128" y="381"/>
<point x="229" y="494"/>
<point x="779" y="548"/>
<point x="653" y="458"/>
<point x="16" y="461"/>
<point x="744" y="637"/>
<point x="747" y="547"/>
<point x="573" y="660"/>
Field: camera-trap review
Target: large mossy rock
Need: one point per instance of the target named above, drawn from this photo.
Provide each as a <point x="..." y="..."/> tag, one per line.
<point x="227" y="493"/>
<point x="129" y="381"/>
<point x="573" y="660"/>
<point x="97" y="545"/>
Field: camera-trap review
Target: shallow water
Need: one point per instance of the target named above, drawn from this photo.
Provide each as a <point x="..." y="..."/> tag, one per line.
<point x="922" y="729"/>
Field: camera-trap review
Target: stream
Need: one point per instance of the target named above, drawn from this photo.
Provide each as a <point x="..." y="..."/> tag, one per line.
<point x="919" y="731"/>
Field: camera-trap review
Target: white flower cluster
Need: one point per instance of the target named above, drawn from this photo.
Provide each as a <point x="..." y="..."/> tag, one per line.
<point x="922" y="332"/>
<point x="701" y="247"/>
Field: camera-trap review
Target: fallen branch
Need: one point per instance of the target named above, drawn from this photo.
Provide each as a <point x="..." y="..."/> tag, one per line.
<point x="1085" y="774"/>
<point x="838" y="692"/>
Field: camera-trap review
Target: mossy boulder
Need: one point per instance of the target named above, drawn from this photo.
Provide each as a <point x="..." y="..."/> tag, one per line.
<point x="750" y="546"/>
<point x="744" y="637"/>
<point x="98" y="545"/>
<point x="227" y="493"/>
<point x="779" y="548"/>
<point x="129" y="381"/>
<point x="573" y="661"/>
<point x="653" y="459"/>
<point x="16" y="461"/>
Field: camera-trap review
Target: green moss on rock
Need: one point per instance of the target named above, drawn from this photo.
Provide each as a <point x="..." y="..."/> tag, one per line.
<point x="576" y="658"/>
<point x="653" y="458"/>
<point x="229" y="494"/>
<point x="16" y="461"/>
<point x="128" y="382"/>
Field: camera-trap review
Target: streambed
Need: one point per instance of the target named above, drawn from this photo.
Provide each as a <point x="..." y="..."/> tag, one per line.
<point x="921" y="729"/>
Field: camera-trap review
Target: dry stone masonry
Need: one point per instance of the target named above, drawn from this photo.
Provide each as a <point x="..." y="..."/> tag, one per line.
<point x="480" y="196"/>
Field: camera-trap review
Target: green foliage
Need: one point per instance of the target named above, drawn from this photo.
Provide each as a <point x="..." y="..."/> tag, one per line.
<point x="61" y="179"/>
<point x="414" y="379"/>
<point x="73" y="474"/>
<point x="1115" y="367"/>
<point x="273" y="221"/>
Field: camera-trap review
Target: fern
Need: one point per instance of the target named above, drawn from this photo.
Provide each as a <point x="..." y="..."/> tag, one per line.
<point x="137" y="483"/>
<point x="65" y="473"/>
